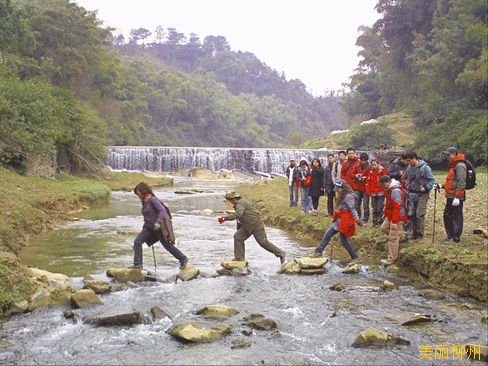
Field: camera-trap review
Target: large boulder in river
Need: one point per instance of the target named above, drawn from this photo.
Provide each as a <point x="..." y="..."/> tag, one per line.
<point x="121" y="319"/>
<point x="98" y="286"/>
<point x="18" y="308"/>
<point x="377" y="337"/>
<point x="53" y="280"/>
<point x="230" y="265"/>
<point x="188" y="273"/>
<point x="259" y="322"/>
<point x="419" y="318"/>
<point x="83" y="298"/>
<point x="40" y="298"/>
<point x="312" y="263"/>
<point x="194" y="332"/>
<point x="217" y="311"/>
<point x="126" y="274"/>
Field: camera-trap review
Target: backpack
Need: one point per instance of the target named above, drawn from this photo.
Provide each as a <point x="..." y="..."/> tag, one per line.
<point x="470" y="175"/>
<point x="407" y="201"/>
<point x="167" y="209"/>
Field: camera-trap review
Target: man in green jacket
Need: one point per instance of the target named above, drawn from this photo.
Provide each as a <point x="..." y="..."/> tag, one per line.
<point x="249" y="223"/>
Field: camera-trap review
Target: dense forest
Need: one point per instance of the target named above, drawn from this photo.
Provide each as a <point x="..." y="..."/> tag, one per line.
<point x="427" y="57"/>
<point x="69" y="86"/>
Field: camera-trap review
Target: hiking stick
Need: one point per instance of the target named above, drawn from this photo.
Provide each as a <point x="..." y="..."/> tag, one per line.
<point x="435" y="206"/>
<point x="154" y="257"/>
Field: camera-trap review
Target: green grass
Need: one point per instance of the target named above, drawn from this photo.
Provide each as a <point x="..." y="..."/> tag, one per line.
<point x="14" y="284"/>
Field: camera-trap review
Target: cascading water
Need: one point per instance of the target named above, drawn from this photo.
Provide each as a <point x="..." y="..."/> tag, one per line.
<point x="165" y="159"/>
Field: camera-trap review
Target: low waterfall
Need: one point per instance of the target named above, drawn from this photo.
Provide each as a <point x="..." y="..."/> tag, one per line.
<point x="166" y="159"/>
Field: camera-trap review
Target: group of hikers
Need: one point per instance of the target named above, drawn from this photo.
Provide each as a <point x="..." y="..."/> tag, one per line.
<point x="398" y="196"/>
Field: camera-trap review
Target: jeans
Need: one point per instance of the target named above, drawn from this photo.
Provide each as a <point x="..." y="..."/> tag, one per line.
<point x="453" y="219"/>
<point x="362" y="196"/>
<point x="306" y="200"/>
<point x="377" y="203"/>
<point x="150" y="237"/>
<point x="330" y="203"/>
<point x="293" y="195"/>
<point x="329" y="233"/>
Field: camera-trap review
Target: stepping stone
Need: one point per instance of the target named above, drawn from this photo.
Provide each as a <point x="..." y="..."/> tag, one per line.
<point x="189" y="273"/>
<point x="217" y="311"/>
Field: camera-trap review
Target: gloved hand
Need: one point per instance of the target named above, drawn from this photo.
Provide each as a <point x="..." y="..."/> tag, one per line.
<point x="156" y="226"/>
<point x="221" y="220"/>
<point x="455" y="202"/>
<point x="423" y="189"/>
<point x="360" y="223"/>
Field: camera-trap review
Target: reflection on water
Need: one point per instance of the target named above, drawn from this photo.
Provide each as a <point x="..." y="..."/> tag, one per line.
<point x="317" y="325"/>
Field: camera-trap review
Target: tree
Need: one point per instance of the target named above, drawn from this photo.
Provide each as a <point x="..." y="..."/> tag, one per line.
<point x="159" y="34"/>
<point x="139" y="35"/>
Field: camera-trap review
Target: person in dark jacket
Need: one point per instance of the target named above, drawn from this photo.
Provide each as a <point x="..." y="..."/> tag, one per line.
<point x="317" y="186"/>
<point x="345" y="219"/>
<point x="329" y="184"/>
<point x="419" y="182"/>
<point x="157" y="226"/>
<point x="249" y="223"/>
<point x="397" y="168"/>
<point x="293" y="176"/>
<point x="303" y="172"/>
<point x="454" y="187"/>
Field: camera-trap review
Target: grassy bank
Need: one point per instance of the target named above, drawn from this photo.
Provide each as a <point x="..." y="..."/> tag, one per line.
<point x="32" y="205"/>
<point x="460" y="268"/>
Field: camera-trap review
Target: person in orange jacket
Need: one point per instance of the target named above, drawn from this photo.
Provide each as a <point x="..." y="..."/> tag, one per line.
<point x="344" y="220"/>
<point x="375" y="190"/>
<point x="454" y="187"/>
<point x="395" y="215"/>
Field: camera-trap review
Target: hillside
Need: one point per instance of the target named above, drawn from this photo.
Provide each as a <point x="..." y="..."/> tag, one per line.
<point x="400" y="126"/>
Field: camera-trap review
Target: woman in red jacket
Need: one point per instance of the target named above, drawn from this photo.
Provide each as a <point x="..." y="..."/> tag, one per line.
<point x="375" y="190"/>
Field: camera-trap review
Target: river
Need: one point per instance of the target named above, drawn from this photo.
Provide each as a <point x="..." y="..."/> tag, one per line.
<point x="316" y="325"/>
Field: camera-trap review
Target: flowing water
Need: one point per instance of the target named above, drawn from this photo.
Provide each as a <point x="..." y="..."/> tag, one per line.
<point x="316" y="325"/>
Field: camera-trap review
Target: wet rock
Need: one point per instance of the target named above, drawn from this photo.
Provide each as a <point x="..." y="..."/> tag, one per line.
<point x="291" y="267"/>
<point x="312" y="263"/>
<point x="388" y="285"/>
<point x="122" y="286"/>
<point x="275" y="334"/>
<point x="337" y="287"/>
<point x="70" y="314"/>
<point x="352" y="268"/>
<point x="468" y="306"/>
<point x="431" y="294"/>
<point x="40" y="298"/>
<point x="259" y="322"/>
<point x="108" y="320"/>
<point x="217" y="311"/>
<point x="230" y="265"/>
<point x="476" y="352"/>
<point x="376" y="337"/>
<point x="83" y="298"/>
<point x="393" y="268"/>
<point x="194" y="332"/>
<point x="151" y="277"/>
<point x="373" y="268"/>
<point x="18" y="308"/>
<point x="247" y="331"/>
<point x="53" y="280"/>
<point x="88" y="278"/>
<point x="222" y="328"/>
<point x="125" y="274"/>
<point x="419" y="318"/>
<point x="312" y="271"/>
<point x="484" y="318"/>
<point x="235" y="272"/>
<point x="241" y="342"/>
<point x="98" y="286"/>
<point x="188" y="273"/>
<point x="159" y="313"/>
<point x="184" y="192"/>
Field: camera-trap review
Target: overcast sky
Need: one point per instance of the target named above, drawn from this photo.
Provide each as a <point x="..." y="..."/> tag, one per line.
<point x="312" y="40"/>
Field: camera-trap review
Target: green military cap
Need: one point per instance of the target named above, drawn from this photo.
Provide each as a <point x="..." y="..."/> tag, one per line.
<point x="232" y="194"/>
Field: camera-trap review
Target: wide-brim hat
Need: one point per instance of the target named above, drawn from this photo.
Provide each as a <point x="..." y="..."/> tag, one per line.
<point x="232" y="194"/>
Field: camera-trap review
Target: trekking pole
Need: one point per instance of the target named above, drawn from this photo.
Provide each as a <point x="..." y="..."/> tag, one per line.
<point x="435" y="206"/>
<point x="331" y="251"/>
<point x="154" y="257"/>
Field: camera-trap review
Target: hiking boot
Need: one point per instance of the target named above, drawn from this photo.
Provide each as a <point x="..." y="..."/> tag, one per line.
<point x="282" y="258"/>
<point x="183" y="263"/>
<point x="315" y="255"/>
<point x="387" y="262"/>
<point x="448" y="240"/>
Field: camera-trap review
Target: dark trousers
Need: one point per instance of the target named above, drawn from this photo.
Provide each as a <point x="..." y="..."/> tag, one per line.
<point x="330" y="203"/>
<point x="364" y="199"/>
<point x="329" y="233"/>
<point x="315" y="202"/>
<point x="150" y="237"/>
<point x="377" y="203"/>
<point x="453" y="219"/>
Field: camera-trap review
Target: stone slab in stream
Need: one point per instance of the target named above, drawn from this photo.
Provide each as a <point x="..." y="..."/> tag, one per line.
<point x="217" y="311"/>
<point x="83" y="298"/>
<point x="418" y="319"/>
<point x="119" y="319"/>
<point x="305" y="265"/>
<point x="194" y="332"/>
<point x="377" y="337"/>
<point x="98" y="286"/>
<point x="259" y="322"/>
<point x="189" y="273"/>
<point x="126" y="274"/>
<point x="230" y="265"/>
